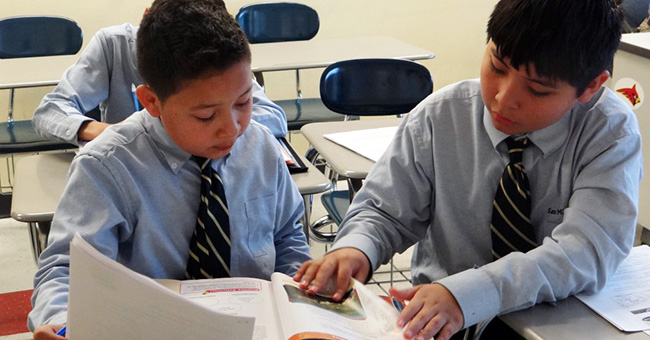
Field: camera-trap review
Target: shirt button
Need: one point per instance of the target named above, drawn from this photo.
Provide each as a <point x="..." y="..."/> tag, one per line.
<point x="174" y="166"/>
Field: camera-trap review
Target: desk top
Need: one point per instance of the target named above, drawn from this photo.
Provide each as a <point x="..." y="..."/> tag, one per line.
<point x="317" y="52"/>
<point x="344" y="161"/>
<point x="33" y="72"/>
<point x="636" y="43"/>
<point x="40" y="181"/>
<point x="570" y="319"/>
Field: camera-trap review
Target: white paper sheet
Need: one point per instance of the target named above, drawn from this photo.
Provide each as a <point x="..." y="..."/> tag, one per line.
<point x="109" y="301"/>
<point x="369" y="143"/>
<point x="625" y="300"/>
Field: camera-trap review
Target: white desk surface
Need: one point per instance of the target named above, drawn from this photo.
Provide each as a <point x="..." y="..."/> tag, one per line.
<point x="33" y="72"/>
<point x="46" y="71"/>
<point x="342" y="160"/>
<point x="317" y="52"/>
<point x="40" y="181"/>
<point x="570" y="319"/>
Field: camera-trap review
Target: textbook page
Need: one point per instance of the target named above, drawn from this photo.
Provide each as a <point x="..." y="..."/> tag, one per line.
<point x="361" y="316"/>
<point x="238" y="296"/>
<point x="109" y="301"/>
<point x="369" y="143"/>
<point x="625" y="300"/>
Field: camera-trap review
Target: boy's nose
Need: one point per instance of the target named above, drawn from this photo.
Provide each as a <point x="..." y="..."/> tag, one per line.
<point x="508" y="95"/>
<point x="229" y="126"/>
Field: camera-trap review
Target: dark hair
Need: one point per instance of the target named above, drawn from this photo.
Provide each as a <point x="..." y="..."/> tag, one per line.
<point x="569" y="40"/>
<point x="180" y="40"/>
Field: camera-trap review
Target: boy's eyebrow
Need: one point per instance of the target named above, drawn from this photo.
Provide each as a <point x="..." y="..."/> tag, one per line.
<point x="206" y="106"/>
<point x="543" y="82"/>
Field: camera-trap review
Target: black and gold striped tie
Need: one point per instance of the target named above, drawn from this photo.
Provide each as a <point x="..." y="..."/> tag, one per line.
<point x="210" y="244"/>
<point x="511" y="228"/>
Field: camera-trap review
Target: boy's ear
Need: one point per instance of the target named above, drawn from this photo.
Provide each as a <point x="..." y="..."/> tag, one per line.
<point x="593" y="87"/>
<point x="149" y="100"/>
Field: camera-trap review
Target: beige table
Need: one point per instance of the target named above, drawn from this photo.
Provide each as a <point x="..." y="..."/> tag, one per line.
<point x="343" y="161"/>
<point x="317" y="52"/>
<point x="33" y="72"/>
<point x="569" y="319"/>
<point x="40" y="181"/>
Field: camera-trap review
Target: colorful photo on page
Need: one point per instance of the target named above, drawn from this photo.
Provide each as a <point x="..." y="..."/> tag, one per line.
<point x="349" y="307"/>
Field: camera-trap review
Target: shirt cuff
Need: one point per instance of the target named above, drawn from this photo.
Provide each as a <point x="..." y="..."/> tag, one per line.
<point x="70" y="126"/>
<point x="58" y="319"/>
<point x="475" y="293"/>
<point x="362" y="243"/>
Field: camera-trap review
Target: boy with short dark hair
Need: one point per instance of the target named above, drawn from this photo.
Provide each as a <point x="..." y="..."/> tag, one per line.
<point x="133" y="193"/>
<point x="560" y="218"/>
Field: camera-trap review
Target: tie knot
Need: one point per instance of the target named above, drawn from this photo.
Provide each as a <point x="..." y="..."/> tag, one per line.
<point x="516" y="148"/>
<point x="201" y="161"/>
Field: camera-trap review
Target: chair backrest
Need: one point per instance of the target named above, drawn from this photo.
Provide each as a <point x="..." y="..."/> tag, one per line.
<point x="37" y="36"/>
<point x="634" y="11"/>
<point x="278" y="21"/>
<point x="368" y="87"/>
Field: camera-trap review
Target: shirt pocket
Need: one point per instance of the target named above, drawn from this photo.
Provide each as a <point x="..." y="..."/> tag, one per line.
<point x="260" y="215"/>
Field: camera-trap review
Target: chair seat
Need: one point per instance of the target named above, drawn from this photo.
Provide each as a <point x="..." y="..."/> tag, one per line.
<point x="20" y="136"/>
<point x="336" y="203"/>
<point x="307" y="110"/>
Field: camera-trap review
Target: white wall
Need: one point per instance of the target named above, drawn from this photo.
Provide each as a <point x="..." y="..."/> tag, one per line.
<point x="453" y="30"/>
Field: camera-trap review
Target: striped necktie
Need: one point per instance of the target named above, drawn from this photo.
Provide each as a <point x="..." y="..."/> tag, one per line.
<point x="210" y="244"/>
<point x="511" y="228"/>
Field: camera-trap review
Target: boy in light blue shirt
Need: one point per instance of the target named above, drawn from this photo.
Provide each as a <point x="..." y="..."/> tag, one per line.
<point x="540" y="80"/>
<point x="133" y="192"/>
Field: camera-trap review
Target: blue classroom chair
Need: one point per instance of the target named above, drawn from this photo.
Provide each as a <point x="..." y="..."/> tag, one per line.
<point x="26" y="37"/>
<point x="284" y="21"/>
<point x="366" y="87"/>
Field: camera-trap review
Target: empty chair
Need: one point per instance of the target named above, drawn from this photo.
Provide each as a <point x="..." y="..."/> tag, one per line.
<point x="278" y="22"/>
<point x="367" y="87"/>
<point x="25" y="37"/>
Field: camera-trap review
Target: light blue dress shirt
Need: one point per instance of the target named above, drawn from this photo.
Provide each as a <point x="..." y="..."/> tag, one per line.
<point x="435" y="184"/>
<point x="134" y="195"/>
<point x="103" y="76"/>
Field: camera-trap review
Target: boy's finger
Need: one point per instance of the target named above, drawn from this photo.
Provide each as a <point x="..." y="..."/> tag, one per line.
<point x="403" y="294"/>
<point x="323" y="275"/>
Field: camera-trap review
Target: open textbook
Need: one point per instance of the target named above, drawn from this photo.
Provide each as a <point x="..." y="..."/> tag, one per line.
<point x="110" y="301"/>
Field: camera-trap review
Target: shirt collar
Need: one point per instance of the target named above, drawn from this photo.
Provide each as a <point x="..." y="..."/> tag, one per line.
<point x="171" y="152"/>
<point x="548" y="139"/>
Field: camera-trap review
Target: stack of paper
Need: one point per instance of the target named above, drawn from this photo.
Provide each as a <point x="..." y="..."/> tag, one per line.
<point x="625" y="300"/>
<point x="369" y="143"/>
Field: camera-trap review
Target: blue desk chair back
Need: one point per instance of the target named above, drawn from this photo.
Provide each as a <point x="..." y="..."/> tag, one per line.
<point x="280" y="22"/>
<point x="367" y="87"/>
<point x="26" y="37"/>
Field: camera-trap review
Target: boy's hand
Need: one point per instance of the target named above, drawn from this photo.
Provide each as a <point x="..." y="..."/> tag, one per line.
<point x="432" y="310"/>
<point x="48" y="332"/>
<point x="333" y="269"/>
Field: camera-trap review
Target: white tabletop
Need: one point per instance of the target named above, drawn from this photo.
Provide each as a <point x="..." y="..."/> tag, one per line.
<point x="344" y="161"/>
<point x="636" y="43"/>
<point x="46" y="71"/>
<point x="33" y="72"/>
<point x="569" y="319"/>
<point x="317" y="52"/>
